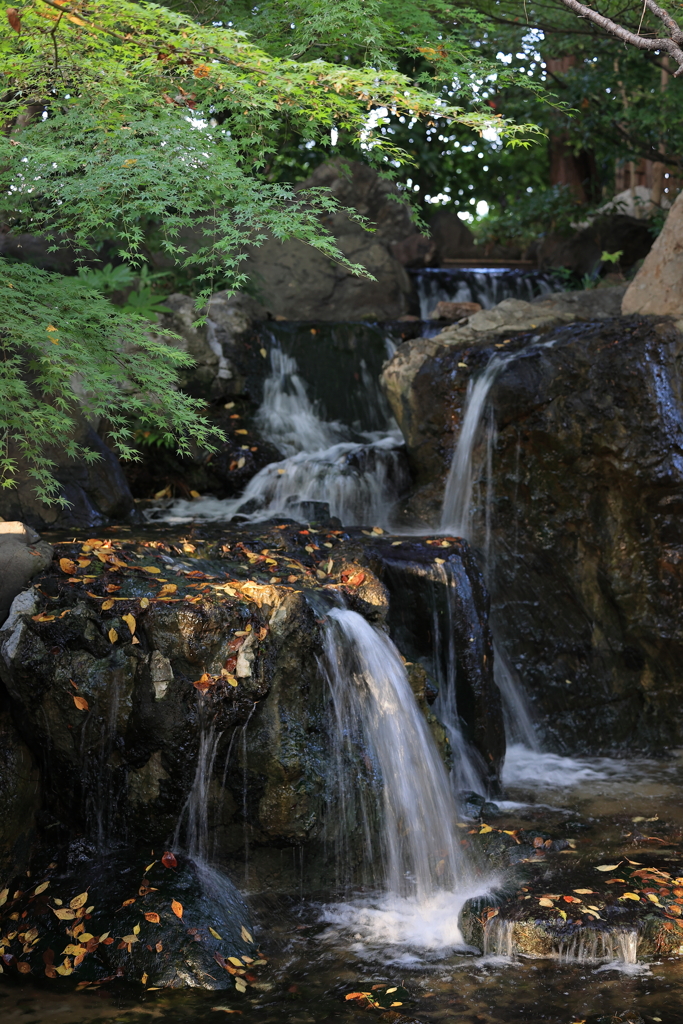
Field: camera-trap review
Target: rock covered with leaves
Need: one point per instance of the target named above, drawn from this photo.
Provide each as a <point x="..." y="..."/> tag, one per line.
<point x="158" y="921"/>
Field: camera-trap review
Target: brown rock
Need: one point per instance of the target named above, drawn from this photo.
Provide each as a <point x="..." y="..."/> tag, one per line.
<point x="454" y="310"/>
<point x="658" y="286"/>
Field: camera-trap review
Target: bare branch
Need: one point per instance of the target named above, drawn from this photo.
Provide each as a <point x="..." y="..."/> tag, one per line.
<point x="669" y="45"/>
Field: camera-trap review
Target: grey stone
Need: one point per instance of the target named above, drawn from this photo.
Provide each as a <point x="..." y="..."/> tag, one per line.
<point x="20" y="560"/>
<point x="658" y="286"/>
<point x="296" y="282"/>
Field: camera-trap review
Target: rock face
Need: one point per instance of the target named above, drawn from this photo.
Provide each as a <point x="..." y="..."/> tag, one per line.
<point x="176" y="689"/>
<point x="96" y="492"/>
<point x="296" y="282"/>
<point x="583" y="539"/>
<point x="19" y="795"/>
<point x="581" y="252"/>
<point x="22" y="556"/>
<point x="657" y="288"/>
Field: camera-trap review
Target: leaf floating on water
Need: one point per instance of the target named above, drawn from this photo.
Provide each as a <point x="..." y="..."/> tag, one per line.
<point x="136" y="929"/>
<point x="546" y="903"/>
<point x="168" y="588"/>
<point x="245" y="934"/>
<point x="584" y="892"/>
<point x="630" y="896"/>
<point x="3" y="897"/>
<point x="150" y="568"/>
<point x="79" y="901"/>
<point x="143" y="979"/>
<point x="215" y="933"/>
<point x="144" y="602"/>
<point x="484" y="829"/>
<point x="128" y="903"/>
<point x="563" y="914"/>
<point x="113" y="635"/>
<point x="168" y="860"/>
<point x="177" y="908"/>
<point x="130" y="622"/>
<point x="67" y="566"/>
<point x="64" y="914"/>
<point x="159" y="947"/>
<point x="129" y="939"/>
<point x="41" y="888"/>
<point x="235" y="961"/>
<point x="152" y="917"/>
<point x="608" y="867"/>
<point x="82" y="705"/>
<point x="106" y="605"/>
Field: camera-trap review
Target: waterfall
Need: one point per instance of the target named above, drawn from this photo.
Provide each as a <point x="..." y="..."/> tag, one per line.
<point x="519" y="725"/>
<point x="487" y="286"/>
<point x="457" y="502"/>
<point x="377" y="717"/>
<point x="469" y="771"/>
<point x="193" y="821"/>
<point x="358" y="474"/>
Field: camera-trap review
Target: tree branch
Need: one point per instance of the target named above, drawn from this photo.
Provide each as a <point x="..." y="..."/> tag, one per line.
<point x="669" y="45"/>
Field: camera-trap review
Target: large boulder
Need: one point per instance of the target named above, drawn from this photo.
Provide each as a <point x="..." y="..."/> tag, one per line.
<point x="582" y="251"/>
<point x="658" y="286"/>
<point x="178" y="689"/>
<point x="93" y="493"/>
<point x="580" y="516"/>
<point x="296" y="282"/>
<point x="22" y="556"/>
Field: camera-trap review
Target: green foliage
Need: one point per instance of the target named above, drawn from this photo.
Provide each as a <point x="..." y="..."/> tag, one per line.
<point x="139" y="128"/>
<point x="107" y="279"/>
<point x="67" y="352"/>
<point x="555" y="210"/>
<point x="150" y="120"/>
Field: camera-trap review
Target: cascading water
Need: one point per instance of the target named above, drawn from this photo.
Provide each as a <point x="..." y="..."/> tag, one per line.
<point x="375" y="710"/>
<point x="468" y="772"/>
<point x="359" y="474"/>
<point x="457" y="502"/>
<point x="376" y="718"/>
<point x="487" y="286"/>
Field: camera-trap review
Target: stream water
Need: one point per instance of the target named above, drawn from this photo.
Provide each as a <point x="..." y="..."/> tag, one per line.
<point x="395" y="945"/>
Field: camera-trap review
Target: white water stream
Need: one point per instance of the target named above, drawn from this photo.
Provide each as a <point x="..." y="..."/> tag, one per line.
<point x="358" y="474"/>
<point x="425" y="878"/>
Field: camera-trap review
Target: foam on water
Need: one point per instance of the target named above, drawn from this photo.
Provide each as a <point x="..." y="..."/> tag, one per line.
<point x="525" y="767"/>
<point x="391" y="920"/>
<point x="359" y="474"/>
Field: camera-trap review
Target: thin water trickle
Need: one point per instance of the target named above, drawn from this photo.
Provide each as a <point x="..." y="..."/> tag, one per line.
<point x="468" y="771"/>
<point x="192" y="829"/>
<point x="457" y="502"/>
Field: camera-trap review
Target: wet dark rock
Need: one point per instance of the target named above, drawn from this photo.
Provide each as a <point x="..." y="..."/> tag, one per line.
<point x="438" y="614"/>
<point x="126" y="917"/>
<point x="97" y="492"/>
<point x="132" y="684"/>
<point x="583" y="520"/>
<point x="20" y="796"/>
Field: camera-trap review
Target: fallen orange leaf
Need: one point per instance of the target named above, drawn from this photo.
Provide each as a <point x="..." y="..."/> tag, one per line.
<point x="177" y="908"/>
